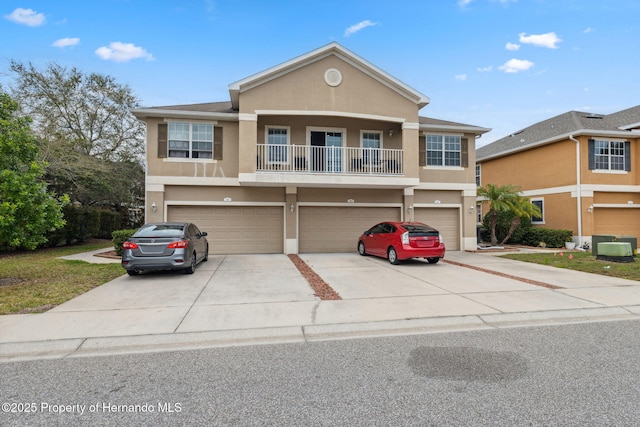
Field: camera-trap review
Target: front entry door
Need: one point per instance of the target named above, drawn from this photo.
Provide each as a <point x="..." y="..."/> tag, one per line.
<point x="326" y="151"/>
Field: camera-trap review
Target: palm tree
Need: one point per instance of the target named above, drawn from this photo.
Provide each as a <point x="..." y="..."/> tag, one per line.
<point x="521" y="207"/>
<point x="504" y="198"/>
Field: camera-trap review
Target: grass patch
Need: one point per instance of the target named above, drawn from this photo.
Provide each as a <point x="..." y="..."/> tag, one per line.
<point x="33" y="282"/>
<point x="582" y="261"/>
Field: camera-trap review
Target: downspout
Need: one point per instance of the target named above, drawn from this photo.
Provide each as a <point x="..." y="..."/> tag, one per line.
<point x="578" y="190"/>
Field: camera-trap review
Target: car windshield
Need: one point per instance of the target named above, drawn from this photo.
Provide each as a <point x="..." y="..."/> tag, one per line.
<point x="160" y="230"/>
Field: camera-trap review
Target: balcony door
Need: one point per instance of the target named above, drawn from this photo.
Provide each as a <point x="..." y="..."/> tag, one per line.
<point x="326" y="151"/>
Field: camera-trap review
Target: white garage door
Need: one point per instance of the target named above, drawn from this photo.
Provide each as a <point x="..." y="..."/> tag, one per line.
<point x="617" y="221"/>
<point x="445" y="220"/>
<point x="236" y="230"/>
<point x="336" y="229"/>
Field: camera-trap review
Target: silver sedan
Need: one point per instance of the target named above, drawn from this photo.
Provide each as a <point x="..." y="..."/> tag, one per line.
<point x="165" y="246"/>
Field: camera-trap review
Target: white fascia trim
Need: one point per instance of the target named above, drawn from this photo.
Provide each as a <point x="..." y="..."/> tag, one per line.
<point x="558" y="138"/>
<point x="247" y="117"/>
<point x="457" y="186"/>
<point x="219" y="203"/>
<point x="178" y="114"/>
<point x="437" y="205"/>
<point x="452" y="128"/>
<point x="329" y="113"/>
<point x="354" y="204"/>
<point x="191" y="180"/>
<point x="324" y="52"/>
<point x="617" y="205"/>
<point x="411" y="126"/>
<point x="603" y="188"/>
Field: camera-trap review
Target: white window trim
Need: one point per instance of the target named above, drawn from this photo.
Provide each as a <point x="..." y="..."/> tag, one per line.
<point x="538" y="199"/>
<point x="426" y="151"/>
<point x="478" y="174"/>
<point x="379" y="132"/>
<point x="609" y="170"/>
<point x="267" y="145"/>
<point x="192" y="159"/>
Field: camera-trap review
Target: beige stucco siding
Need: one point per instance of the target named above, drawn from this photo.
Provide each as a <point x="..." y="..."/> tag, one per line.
<point x="305" y="89"/>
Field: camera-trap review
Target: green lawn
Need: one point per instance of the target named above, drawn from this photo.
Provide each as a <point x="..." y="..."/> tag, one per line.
<point x="33" y="282"/>
<point x="582" y="261"/>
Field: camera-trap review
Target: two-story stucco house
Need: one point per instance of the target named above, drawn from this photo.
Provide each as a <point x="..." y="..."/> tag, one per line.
<point x="582" y="170"/>
<point x="307" y="155"/>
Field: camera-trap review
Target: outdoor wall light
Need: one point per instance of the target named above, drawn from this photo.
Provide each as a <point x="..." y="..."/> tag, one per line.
<point x="292" y="208"/>
<point x="390" y="132"/>
<point x="410" y="209"/>
<point x="471" y="209"/>
<point x="154" y="207"/>
<point x="590" y="209"/>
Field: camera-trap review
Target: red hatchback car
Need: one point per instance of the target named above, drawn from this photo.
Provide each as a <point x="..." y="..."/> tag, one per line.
<point x="398" y="241"/>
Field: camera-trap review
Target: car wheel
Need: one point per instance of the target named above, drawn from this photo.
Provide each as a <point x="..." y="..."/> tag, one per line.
<point x="361" y="249"/>
<point x="433" y="260"/>
<point x="192" y="267"/>
<point x="393" y="256"/>
<point x="133" y="272"/>
<point x="206" y="254"/>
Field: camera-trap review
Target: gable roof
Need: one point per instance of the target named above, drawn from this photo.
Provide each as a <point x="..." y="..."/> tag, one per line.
<point x="331" y="49"/>
<point x="622" y="124"/>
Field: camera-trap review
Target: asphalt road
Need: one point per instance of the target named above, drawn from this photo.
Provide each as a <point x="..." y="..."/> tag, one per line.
<point x="570" y="375"/>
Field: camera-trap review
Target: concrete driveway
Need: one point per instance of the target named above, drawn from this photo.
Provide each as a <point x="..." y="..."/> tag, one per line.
<point x="234" y="299"/>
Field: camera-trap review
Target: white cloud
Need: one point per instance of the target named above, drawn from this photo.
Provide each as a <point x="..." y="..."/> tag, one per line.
<point x="485" y="69"/>
<point x="122" y="52"/>
<point x="463" y="3"/>
<point x="26" y="17"/>
<point x="549" y="40"/>
<point x="588" y="30"/>
<point x="512" y="46"/>
<point x="516" y="65"/>
<point x="461" y="77"/>
<point x="68" y="41"/>
<point x="359" y="26"/>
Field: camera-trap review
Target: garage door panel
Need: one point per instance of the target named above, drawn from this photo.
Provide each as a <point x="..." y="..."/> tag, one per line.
<point x="617" y="221"/>
<point x="445" y="220"/>
<point x="236" y="229"/>
<point x="336" y="229"/>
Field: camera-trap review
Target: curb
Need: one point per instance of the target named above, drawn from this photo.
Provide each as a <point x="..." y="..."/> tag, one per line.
<point x="105" y="346"/>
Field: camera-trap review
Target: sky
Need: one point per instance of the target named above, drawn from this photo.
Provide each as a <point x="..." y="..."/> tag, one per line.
<point x="499" y="64"/>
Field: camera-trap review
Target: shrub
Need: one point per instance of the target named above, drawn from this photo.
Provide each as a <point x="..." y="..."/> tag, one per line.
<point x="502" y="228"/>
<point x="551" y="238"/>
<point x="119" y="237"/>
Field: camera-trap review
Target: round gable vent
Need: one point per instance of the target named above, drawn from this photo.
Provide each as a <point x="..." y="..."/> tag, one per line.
<point x="333" y="77"/>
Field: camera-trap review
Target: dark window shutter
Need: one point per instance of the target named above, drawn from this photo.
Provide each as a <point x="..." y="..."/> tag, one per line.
<point x="464" y="153"/>
<point x="422" y="150"/>
<point x="592" y="154"/>
<point x="162" y="140"/>
<point x="627" y="156"/>
<point x="217" y="143"/>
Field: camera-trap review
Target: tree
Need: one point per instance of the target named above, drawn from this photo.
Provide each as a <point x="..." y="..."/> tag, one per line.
<point x="521" y="207"/>
<point x="92" y="143"/>
<point x="27" y="210"/>
<point x="503" y="198"/>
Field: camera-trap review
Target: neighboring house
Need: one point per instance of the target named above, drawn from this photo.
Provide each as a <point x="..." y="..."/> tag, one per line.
<point x="582" y="170"/>
<point x="306" y="156"/>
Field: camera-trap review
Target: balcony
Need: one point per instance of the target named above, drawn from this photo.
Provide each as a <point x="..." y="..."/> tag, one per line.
<point x="306" y="159"/>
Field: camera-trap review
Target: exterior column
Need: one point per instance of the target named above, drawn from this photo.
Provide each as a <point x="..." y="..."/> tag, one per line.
<point x="291" y="221"/>
<point x="410" y="150"/>
<point x="247" y="144"/>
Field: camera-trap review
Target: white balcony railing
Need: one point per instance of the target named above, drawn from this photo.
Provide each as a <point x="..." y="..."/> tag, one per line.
<point x="332" y="160"/>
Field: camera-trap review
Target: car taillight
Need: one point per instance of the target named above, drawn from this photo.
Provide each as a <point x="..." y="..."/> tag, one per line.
<point x="129" y="245"/>
<point x="405" y="238"/>
<point x="180" y="244"/>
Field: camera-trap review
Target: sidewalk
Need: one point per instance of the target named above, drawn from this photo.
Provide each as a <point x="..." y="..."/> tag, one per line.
<point x="262" y="299"/>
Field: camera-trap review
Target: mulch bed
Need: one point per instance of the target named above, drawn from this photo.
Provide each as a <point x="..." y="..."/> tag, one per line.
<point x="320" y="287"/>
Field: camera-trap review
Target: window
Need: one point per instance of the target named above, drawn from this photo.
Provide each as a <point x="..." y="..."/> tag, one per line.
<point x="478" y="180"/>
<point x="479" y="213"/>
<point x="190" y="140"/>
<point x="371" y="144"/>
<point x="540" y="204"/>
<point x="277" y="142"/>
<point x="608" y="155"/>
<point x="444" y="150"/>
